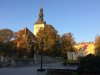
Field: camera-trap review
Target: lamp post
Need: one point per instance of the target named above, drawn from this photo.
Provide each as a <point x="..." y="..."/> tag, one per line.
<point x="41" y="68"/>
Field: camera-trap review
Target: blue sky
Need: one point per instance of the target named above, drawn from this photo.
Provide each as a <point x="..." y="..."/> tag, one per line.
<point x="81" y="17"/>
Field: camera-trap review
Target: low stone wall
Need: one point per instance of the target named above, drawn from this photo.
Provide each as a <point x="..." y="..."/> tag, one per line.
<point x="22" y="62"/>
<point x="61" y="72"/>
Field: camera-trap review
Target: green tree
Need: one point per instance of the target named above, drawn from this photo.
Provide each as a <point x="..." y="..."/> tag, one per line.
<point x="50" y="37"/>
<point x="8" y="48"/>
<point x="68" y="43"/>
<point x="89" y="65"/>
<point x="57" y="49"/>
<point x="97" y="45"/>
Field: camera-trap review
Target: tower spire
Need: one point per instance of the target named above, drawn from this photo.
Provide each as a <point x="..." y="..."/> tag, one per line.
<point x="40" y="23"/>
<point x="40" y="18"/>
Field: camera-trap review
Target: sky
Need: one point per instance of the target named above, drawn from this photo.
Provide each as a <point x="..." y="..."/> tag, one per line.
<point x="80" y="17"/>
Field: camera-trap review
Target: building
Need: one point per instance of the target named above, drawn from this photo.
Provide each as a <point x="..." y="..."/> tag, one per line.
<point x="22" y="38"/>
<point x="85" y="48"/>
<point x="22" y="35"/>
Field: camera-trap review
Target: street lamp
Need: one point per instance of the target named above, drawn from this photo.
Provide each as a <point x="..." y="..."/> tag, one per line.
<point x="41" y="69"/>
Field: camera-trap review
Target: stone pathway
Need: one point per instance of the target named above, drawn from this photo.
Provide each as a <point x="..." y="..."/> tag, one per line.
<point x="18" y="71"/>
<point x="33" y="70"/>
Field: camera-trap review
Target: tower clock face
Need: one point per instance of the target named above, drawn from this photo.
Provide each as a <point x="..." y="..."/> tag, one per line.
<point x="37" y="27"/>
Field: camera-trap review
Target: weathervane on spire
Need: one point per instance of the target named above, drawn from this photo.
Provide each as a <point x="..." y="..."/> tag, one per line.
<point x="40" y="3"/>
<point x="40" y="19"/>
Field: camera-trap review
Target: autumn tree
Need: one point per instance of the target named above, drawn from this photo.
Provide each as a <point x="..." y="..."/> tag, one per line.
<point x="50" y="37"/>
<point x="68" y="43"/>
<point x="97" y="45"/>
<point x="6" y="46"/>
<point x="6" y="35"/>
<point x="1" y="48"/>
<point x="30" y="46"/>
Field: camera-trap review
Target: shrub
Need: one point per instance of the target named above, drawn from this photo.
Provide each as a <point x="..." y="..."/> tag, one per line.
<point x="89" y="64"/>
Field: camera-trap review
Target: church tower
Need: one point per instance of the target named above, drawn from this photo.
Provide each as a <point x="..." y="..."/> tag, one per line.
<point x="40" y="23"/>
